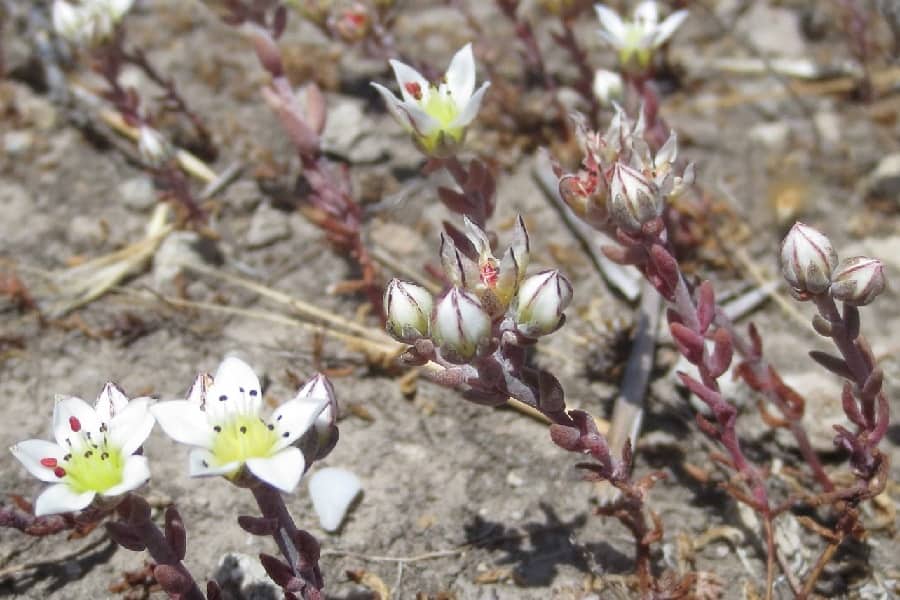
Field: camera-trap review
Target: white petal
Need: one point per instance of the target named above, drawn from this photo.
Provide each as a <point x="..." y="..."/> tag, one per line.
<point x="69" y="414"/>
<point x="60" y="498"/>
<point x="423" y="123"/>
<point x="135" y="473"/>
<point x="294" y="418"/>
<point x="319" y="388"/>
<point x="468" y="114"/>
<point x="235" y="390"/>
<point x="282" y="470"/>
<point x="118" y="8"/>
<point x="184" y="422"/>
<point x="646" y="13"/>
<point x="130" y="428"/>
<point x="405" y="74"/>
<point x="202" y="463"/>
<point x="461" y="75"/>
<point x="333" y="491"/>
<point x="612" y="23"/>
<point x="665" y="29"/>
<point x="200" y="390"/>
<point x="110" y="402"/>
<point x="393" y="104"/>
<point x="30" y="453"/>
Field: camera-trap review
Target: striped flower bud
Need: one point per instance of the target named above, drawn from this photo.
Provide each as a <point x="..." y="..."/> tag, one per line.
<point x="858" y="280"/>
<point x="807" y="259"/>
<point x="408" y="308"/>
<point x="460" y="326"/>
<point x="541" y="302"/>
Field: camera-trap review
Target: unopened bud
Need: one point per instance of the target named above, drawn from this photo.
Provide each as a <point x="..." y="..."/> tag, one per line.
<point x="408" y="308"/>
<point x="352" y="24"/>
<point x="154" y="149"/>
<point x="608" y="87"/>
<point x="858" y="280"/>
<point x="318" y="398"/>
<point x="633" y="199"/>
<point x="460" y="326"/>
<point x="807" y="259"/>
<point x="541" y="302"/>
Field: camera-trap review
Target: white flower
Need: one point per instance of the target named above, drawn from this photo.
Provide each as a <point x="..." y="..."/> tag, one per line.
<point x="636" y="40"/>
<point x="493" y="281"/>
<point x="94" y="451"/>
<point x="90" y="22"/>
<point x="436" y="115"/>
<point x="221" y="418"/>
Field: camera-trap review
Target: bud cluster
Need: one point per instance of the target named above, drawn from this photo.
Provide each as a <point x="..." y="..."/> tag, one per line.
<point x="488" y="298"/>
<point x="810" y="265"/>
<point x="622" y="183"/>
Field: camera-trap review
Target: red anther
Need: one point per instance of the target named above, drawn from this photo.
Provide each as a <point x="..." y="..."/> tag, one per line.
<point x="414" y="89"/>
<point x="75" y="424"/>
<point x="59" y="472"/>
<point x="489" y="274"/>
<point x="48" y="462"/>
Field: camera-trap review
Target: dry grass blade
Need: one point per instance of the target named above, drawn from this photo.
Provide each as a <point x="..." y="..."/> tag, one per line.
<point x="71" y="288"/>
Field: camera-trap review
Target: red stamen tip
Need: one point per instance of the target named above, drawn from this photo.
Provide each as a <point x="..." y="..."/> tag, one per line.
<point x="59" y="472"/>
<point x="48" y="462"/>
<point x="75" y="424"/>
<point x="414" y="89"/>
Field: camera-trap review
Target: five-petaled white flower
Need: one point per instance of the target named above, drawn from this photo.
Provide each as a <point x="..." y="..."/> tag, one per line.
<point x="436" y="114"/>
<point x="94" y="451"/>
<point x="221" y="418"/>
<point x="89" y="22"/>
<point x="636" y="40"/>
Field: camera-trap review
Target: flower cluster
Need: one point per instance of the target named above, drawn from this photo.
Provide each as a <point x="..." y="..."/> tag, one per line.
<point x="98" y="449"/>
<point x="810" y="265"/>
<point x="90" y="22"/>
<point x="636" y="40"/>
<point x="488" y="297"/>
<point x="436" y="114"/>
<point x="622" y="181"/>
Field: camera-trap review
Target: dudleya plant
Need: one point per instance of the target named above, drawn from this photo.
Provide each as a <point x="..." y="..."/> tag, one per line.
<point x="95" y="453"/>
<point x="89" y="22"/>
<point x="436" y="114"/>
<point x="637" y="39"/>
<point x="478" y="327"/>
<point x="222" y="420"/>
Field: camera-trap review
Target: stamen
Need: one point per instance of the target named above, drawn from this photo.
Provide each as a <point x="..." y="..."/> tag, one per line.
<point x="104" y="456"/>
<point x="59" y="472"/>
<point x="217" y="429"/>
<point x="223" y="398"/>
<point x="414" y="89"/>
<point x="48" y="462"/>
<point x="285" y="434"/>
<point x="74" y="424"/>
<point x="253" y="393"/>
<point x="243" y="429"/>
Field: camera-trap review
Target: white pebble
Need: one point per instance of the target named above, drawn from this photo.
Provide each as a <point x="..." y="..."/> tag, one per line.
<point x="332" y="491"/>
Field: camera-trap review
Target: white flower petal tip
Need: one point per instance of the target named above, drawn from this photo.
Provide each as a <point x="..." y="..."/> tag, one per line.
<point x="436" y="114"/>
<point x="333" y="491"/>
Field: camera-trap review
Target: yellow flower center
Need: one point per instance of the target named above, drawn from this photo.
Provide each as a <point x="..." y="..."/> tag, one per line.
<point x="94" y="469"/>
<point x="442" y="107"/>
<point x="243" y="437"/>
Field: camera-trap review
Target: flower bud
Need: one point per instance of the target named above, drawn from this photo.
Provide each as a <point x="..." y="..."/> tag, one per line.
<point x="633" y="199"/>
<point x="608" y="87"/>
<point x="460" y="325"/>
<point x="807" y="259"/>
<point x="154" y="149"/>
<point x="858" y="280"/>
<point x="408" y="308"/>
<point x="541" y="302"/>
<point x="318" y="395"/>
